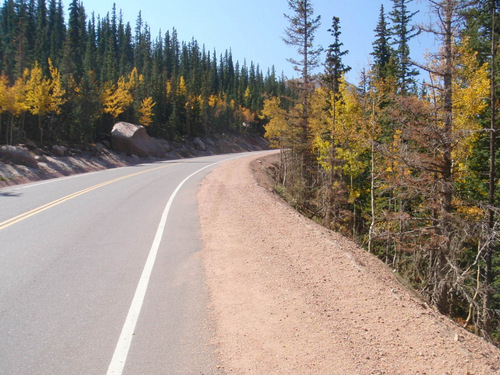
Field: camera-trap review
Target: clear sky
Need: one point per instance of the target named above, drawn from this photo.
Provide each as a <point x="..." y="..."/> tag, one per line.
<point x="253" y="29"/>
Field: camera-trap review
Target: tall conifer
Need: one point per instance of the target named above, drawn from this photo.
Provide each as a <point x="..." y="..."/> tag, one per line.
<point x="402" y="32"/>
<point x="300" y="34"/>
<point x="383" y="55"/>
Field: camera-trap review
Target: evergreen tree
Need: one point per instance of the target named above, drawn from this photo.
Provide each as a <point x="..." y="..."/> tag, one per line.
<point x="41" y="42"/>
<point x="334" y="67"/>
<point x="90" y="59"/>
<point x="74" y="44"/>
<point x="24" y="32"/>
<point x="402" y="32"/>
<point x="300" y="34"/>
<point x="126" y="48"/>
<point x="383" y="64"/>
<point x="334" y="72"/>
<point x="56" y="31"/>
<point x="8" y="22"/>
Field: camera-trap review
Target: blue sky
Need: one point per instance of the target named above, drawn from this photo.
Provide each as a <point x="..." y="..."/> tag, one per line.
<point x="253" y="29"/>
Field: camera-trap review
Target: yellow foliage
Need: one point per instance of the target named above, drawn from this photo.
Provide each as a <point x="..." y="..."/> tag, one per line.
<point x="116" y="98"/>
<point x="38" y="98"/>
<point x="134" y="80"/>
<point x="212" y="100"/>
<point x="4" y="87"/>
<point x="350" y="130"/>
<point x="56" y="91"/>
<point x="15" y="101"/>
<point x="181" y="87"/>
<point x="278" y="130"/>
<point x="471" y="87"/>
<point x="146" y="111"/>
<point x="322" y="149"/>
<point x="247" y="114"/>
<point x="247" y="93"/>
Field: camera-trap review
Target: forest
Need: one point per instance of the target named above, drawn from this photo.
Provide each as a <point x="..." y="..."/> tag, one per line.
<point x="404" y="161"/>
<point x="69" y="81"/>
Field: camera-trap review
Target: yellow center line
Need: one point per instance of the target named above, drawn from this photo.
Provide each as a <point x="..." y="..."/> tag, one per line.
<point x="35" y="211"/>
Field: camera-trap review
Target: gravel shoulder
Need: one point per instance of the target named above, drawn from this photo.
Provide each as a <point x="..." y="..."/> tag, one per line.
<point x="290" y="297"/>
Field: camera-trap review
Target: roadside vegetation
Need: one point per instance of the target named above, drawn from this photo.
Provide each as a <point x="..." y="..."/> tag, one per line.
<point x="405" y="161"/>
<point x="69" y="81"/>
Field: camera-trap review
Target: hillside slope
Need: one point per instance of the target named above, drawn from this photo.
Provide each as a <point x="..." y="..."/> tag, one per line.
<point x="290" y="297"/>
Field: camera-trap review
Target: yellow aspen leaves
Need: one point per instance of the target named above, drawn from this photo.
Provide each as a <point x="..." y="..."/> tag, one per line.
<point x="212" y="100"/>
<point x="134" y="80"/>
<point x="38" y="92"/>
<point x="116" y="98"/>
<point x="181" y="88"/>
<point x="56" y="91"/>
<point x="278" y="130"/>
<point x="15" y="100"/>
<point x="146" y="111"/>
<point x="471" y="87"/>
<point x="4" y="87"/>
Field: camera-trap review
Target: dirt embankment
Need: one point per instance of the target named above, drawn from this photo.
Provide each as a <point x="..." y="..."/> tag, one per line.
<point x="57" y="161"/>
<point x="290" y="297"/>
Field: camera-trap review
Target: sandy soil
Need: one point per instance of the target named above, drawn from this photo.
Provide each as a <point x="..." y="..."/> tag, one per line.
<point x="290" y="297"/>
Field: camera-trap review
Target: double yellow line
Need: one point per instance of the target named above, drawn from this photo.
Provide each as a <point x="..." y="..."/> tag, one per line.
<point x="37" y="210"/>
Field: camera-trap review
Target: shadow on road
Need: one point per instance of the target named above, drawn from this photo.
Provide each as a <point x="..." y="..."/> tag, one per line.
<point x="9" y="194"/>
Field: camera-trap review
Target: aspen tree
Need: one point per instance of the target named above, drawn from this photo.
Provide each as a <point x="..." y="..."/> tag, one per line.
<point x="146" y="111"/>
<point x="15" y="104"/>
<point x="44" y="94"/>
<point x="116" y="98"/>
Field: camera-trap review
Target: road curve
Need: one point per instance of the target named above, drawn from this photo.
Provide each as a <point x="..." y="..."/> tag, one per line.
<point x="100" y="273"/>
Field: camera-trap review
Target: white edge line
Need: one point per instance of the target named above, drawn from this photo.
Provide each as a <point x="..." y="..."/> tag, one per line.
<point x="119" y="359"/>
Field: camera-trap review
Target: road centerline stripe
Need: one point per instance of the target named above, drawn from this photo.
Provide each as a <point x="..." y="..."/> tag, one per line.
<point x="35" y="211"/>
<point x="122" y="348"/>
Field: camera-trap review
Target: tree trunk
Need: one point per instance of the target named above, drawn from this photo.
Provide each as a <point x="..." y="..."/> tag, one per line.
<point x="11" y="128"/>
<point x="441" y="267"/>
<point x="372" y="199"/>
<point x="488" y="268"/>
<point x="330" y="193"/>
<point x="40" y="128"/>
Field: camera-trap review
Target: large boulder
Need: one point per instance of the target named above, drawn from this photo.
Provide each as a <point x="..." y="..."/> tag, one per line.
<point x="18" y="155"/>
<point x="133" y="139"/>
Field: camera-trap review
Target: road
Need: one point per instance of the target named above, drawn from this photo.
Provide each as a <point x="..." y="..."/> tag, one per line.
<point x="101" y="273"/>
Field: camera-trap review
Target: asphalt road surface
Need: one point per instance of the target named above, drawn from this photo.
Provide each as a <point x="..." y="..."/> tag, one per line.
<point x="100" y="273"/>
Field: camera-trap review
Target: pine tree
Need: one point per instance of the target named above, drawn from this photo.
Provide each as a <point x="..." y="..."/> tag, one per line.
<point x="383" y="55"/>
<point x="24" y="38"/>
<point x="90" y="57"/>
<point x="332" y="77"/>
<point x="55" y="31"/>
<point x="402" y="32"/>
<point x="41" y="42"/>
<point x="334" y="67"/>
<point x="74" y="44"/>
<point x="300" y="34"/>
<point x="8" y="21"/>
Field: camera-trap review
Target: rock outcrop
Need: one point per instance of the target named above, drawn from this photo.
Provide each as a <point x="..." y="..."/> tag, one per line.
<point x="200" y="144"/>
<point x="18" y="155"/>
<point x="133" y="139"/>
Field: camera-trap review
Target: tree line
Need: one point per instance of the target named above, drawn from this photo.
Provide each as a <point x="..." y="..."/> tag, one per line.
<point x="405" y="165"/>
<point x="70" y="81"/>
